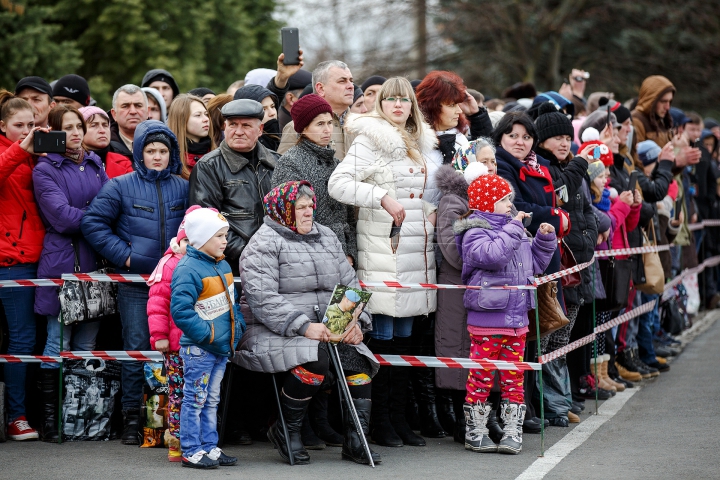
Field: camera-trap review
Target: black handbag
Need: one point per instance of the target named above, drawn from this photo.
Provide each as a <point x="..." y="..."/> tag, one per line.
<point x="82" y="301"/>
<point x="673" y="318"/>
<point x="615" y="276"/>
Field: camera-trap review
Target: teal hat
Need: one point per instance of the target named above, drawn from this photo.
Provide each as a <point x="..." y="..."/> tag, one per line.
<point x="352" y="295"/>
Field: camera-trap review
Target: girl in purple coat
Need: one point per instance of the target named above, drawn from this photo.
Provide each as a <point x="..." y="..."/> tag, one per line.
<point x="496" y="251"/>
<point x="64" y="185"/>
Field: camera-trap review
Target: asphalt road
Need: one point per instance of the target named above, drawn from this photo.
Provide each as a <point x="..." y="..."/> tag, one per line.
<point x="665" y="429"/>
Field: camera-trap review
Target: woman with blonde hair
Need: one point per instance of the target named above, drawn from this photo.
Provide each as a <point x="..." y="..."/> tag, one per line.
<point x="190" y="122"/>
<point x="384" y="174"/>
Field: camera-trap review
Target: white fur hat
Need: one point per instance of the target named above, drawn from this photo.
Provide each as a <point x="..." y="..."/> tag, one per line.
<point x="202" y="224"/>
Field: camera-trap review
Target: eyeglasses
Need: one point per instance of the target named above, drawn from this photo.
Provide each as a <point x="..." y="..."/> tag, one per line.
<point x="395" y="99"/>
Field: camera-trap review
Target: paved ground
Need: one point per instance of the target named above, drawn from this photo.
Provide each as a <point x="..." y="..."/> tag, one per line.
<point x="659" y="431"/>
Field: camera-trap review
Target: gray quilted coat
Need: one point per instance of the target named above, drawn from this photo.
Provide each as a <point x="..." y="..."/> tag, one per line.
<point x="284" y="276"/>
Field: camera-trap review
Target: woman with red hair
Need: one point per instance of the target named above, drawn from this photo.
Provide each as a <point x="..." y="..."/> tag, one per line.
<point x="449" y="108"/>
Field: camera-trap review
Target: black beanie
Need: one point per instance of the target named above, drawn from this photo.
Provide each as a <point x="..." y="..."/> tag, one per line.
<point x="621" y="111"/>
<point x="374" y="80"/>
<point x="201" y="92"/>
<point x="74" y="87"/>
<point x="357" y="93"/>
<point x="551" y="123"/>
<point x="158" y="137"/>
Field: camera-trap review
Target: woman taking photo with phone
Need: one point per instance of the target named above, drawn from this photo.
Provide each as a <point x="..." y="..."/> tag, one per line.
<point x="190" y="122"/>
<point x="65" y="184"/>
<point x="20" y="246"/>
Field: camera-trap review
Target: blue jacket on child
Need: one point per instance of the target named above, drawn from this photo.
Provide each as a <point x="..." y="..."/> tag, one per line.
<point x="199" y="303"/>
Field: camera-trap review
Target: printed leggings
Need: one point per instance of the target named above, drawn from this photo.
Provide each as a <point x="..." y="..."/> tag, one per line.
<point x="496" y="347"/>
<point x="304" y="381"/>
<point x="174" y="370"/>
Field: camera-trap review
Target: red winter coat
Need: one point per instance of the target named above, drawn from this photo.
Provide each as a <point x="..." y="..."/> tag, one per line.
<point x="625" y="219"/>
<point x="21" y="229"/>
<point x="116" y="165"/>
<point x="160" y="322"/>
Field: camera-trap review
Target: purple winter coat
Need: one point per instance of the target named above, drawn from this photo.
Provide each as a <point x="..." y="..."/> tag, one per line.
<point x="63" y="190"/>
<point x="496" y="251"/>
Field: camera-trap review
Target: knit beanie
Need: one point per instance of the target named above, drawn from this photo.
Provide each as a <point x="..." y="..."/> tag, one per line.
<point x="597" y="120"/>
<point x="486" y="190"/>
<point x="595" y="169"/>
<point x="306" y="109"/>
<point x="74" y="87"/>
<point x="201" y="92"/>
<point x="648" y="152"/>
<point x="591" y="136"/>
<point x="202" y="224"/>
<point x="551" y="123"/>
<point x="158" y="137"/>
<point x="88" y="112"/>
<point x="357" y="94"/>
<point x="374" y="80"/>
<point x="621" y="111"/>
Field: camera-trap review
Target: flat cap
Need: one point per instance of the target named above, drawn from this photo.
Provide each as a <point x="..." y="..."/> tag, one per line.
<point x="243" y="108"/>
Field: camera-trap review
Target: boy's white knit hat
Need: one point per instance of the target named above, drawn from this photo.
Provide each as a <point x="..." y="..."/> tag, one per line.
<point x="202" y="224"/>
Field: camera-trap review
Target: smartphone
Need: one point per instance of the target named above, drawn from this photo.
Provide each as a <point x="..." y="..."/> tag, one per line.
<point x="696" y="144"/>
<point x="678" y="208"/>
<point x="527" y="220"/>
<point x="395" y="230"/>
<point x="634" y="178"/>
<point x="49" y="142"/>
<point x="596" y="153"/>
<point x="291" y="45"/>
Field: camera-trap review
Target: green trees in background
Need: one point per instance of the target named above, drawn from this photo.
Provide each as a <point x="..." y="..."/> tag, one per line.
<point x="111" y="43"/>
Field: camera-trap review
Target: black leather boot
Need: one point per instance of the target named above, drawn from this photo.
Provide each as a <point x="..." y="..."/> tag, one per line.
<point x="309" y="439"/>
<point x="49" y="391"/>
<point x="352" y="448"/>
<point x="445" y="409"/>
<point x="458" y="399"/>
<point x="381" y="431"/>
<point x="293" y="412"/>
<point x="399" y="378"/>
<point x="425" y="394"/>
<point x="131" y="429"/>
<point x="319" y="420"/>
<point x="493" y="426"/>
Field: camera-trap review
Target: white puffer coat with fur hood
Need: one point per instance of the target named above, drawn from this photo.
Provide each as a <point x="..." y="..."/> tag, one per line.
<point x="377" y="163"/>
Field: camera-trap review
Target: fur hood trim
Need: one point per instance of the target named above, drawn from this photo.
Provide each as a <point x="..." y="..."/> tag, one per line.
<point x="462" y="225"/>
<point x="387" y="138"/>
<point x="451" y="182"/>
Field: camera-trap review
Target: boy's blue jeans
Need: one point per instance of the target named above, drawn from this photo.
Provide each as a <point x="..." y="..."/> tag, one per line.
<point x="203" y="373"/>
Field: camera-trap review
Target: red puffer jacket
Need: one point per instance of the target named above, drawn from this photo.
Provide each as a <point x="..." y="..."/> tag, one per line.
<point x="116" y="165"/>
<point x="21" y="229"/>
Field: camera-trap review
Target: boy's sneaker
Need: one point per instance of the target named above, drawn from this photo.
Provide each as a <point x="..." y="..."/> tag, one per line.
<point x="20" y="429"/>
<point x="219" y="456"/>
<point x="199" y="460"/>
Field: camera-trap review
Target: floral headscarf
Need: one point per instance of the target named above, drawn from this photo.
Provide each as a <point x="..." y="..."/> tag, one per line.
<point x="279" y="203"/>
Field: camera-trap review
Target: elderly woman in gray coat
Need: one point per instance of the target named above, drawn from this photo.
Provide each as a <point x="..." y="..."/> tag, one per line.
<point x="289" y="270"/>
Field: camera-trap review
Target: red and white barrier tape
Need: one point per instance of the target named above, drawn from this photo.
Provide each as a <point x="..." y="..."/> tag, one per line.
<point x="125" y="356"/>
<point x="35" y="282"/>
<point x="708" y="263"/>
<point x="28" y="359"/>
<point x="548" y="357"/>
<point x="447" y="362"/>
<point x="631" y="251"/>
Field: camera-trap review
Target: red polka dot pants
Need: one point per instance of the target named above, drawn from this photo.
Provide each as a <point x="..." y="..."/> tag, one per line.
<point x="496" y="347"/>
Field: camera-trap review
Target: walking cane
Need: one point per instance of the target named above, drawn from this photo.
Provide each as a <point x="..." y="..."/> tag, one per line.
<point x="345" y="390"/>
<point x="281" y="419"/>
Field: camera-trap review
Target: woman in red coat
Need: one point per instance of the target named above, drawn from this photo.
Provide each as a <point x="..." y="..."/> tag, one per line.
<point x="21" y="240"/>
<point x="97" y="140"/>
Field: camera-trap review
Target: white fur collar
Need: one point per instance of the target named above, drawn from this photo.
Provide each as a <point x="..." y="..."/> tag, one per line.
<point x="386" y="137"/>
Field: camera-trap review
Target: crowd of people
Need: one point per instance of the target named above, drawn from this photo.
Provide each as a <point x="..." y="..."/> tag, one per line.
<point x="296" y="182"/>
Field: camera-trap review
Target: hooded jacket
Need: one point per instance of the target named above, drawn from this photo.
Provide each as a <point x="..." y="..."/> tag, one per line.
<point x="63" y="190"/>
<point x="160" y="322"/>
<point x="159" y="100"/>
<point x="21" y="229"/>
<point x="377" y="164"/>
<point x="137" y="214"/>
<point x="496" y="251"/>
<point x="162" y="75"/>
<point x="648" y="126"/>
<point x="204" y="303"/>
<point x="452" y="338"/>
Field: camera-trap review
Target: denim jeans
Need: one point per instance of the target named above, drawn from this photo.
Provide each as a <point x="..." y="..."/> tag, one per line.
<point x="78" y="336"/>
<point x="386" y="327"/>
<point x="203" y="372"/>
<point x="646" y="330"/>
<point x="132" y="305"/>
<point x="18" y="304"/>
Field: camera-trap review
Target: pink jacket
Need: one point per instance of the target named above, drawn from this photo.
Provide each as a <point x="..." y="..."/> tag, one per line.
<point x="160" y="322"/>
<point x="625" y="219"/>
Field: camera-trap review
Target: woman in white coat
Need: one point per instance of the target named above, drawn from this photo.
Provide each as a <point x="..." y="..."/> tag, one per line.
<point x="384" y="174"/>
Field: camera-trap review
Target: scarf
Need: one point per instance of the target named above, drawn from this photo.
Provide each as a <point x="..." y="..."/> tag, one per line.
<point x="76" y="155"/>
<point x="199" y="148"/>
<point x="532" y="163"/>
<point x="279" y="203"/>
<point x="604" y="204"/>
